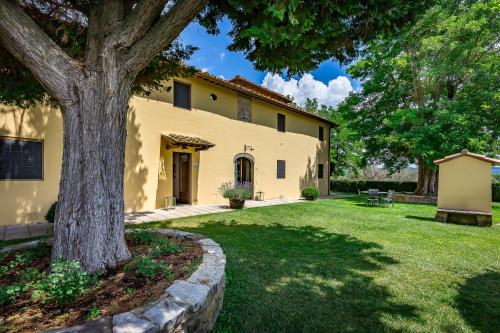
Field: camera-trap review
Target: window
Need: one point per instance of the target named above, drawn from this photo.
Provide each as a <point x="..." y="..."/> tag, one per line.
<point x="281" y="122"/>
<point x="21" y="159"/>
<point x="182" y="95"/>
<point x="280" y="172"/>
<point x="244" y="108"/>
<point x="321" y="134"/>
<point x="321" y="168"/>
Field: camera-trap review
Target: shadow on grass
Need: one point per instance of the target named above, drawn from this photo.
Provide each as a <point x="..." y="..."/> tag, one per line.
<point x="478" y="301"/>
<point x="420" y="218"/>
<point x="300" y="279"/>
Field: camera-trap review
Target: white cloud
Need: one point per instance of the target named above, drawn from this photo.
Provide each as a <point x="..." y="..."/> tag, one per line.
<point x="221" y="77"/>
<point x="222" y="55"/>
<point x="205" y="69"/>
<point x="307" y="87"/>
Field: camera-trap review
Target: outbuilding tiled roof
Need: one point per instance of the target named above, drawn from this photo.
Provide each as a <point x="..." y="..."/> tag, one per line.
<point x="465" y="152"/>
<point x="185" y="141"/>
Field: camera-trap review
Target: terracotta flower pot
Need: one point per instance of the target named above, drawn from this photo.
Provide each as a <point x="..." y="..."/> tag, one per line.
<point x="236" y="204"/>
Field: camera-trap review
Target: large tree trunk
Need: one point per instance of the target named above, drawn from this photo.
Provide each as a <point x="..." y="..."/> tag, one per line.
<point x="427" y="180"/>
<point x="89" y="223"/>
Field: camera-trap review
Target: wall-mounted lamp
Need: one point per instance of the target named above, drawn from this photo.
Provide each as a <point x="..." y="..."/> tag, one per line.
<point x="213" y="97"/>
<point x="247" y="147"/>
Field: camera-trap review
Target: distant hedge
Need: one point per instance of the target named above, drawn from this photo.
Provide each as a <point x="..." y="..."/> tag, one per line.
<point x="351" y="186"/>
<point x="496" y="192"/>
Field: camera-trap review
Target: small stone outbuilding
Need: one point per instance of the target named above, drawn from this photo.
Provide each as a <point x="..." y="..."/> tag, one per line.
<point x="464" y="189"/>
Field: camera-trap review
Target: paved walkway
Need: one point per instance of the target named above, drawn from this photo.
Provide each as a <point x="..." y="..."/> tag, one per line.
<point x="44" y="228"/>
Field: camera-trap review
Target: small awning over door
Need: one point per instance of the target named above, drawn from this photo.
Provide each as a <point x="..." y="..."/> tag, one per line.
<point x="184" y="141"/>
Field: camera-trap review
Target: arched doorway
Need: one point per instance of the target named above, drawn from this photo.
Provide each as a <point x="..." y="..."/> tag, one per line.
<point x="243" y="169"/>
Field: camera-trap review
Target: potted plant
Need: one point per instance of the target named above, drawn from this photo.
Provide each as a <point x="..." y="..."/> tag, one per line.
<point x="236" y="193"/>
<point x="310" y="193"/>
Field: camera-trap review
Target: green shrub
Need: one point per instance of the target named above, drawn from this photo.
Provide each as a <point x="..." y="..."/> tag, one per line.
<point x="310" y="193"/>
<point x="352" y="186"/>
<point x="237" y="192"/>
<point x="163" y="247"/>
<point x="9" y="293"/>
<point x="26" y="257"/>
<point x="51" y="213"/>
<point x="144" y="237"/>
<point x="64" y="284"/>
<point x="94" y="313"/>
<point x="30" y="276"/>
<point x="148" y="267"/>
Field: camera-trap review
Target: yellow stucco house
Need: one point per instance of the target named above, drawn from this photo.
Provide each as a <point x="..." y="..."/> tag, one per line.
<point x="184" y="141"/>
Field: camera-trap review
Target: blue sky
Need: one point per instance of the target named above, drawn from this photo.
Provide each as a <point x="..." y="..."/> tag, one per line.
<point x="329" y="83"/>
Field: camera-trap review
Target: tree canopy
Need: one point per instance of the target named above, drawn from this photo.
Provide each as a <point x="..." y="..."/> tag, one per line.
<point x="432" y="90"/>
<point x="283" y="36"/>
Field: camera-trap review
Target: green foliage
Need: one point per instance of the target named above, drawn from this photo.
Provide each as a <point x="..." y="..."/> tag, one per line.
<point x="93" y="313"/>
<point x="144" y="237"/>
<point x="65" y="283"/>
<point x="283" y="35"/>
<point x="29" y="255"/>
<point x="310" y="193"/>
<point x="163" y="247"/>
<point x="346" y="150"/>
<point x="296" y="36"/>
<point x="51" y="213"/>
<point x="149" y="267"/>
<point x="495" y="189"/>
<point x="9" y="293"/>
<point x="352" y="186"/>
<point x="433" y="90"/>
<point x="237" y="192"/>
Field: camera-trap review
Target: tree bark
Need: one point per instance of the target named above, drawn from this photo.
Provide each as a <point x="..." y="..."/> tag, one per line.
<point x="427" y="180"/>
<point x="89" y="222"/>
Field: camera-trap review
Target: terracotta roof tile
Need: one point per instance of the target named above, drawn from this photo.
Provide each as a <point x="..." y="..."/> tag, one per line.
<point x="188" y="141"/>
<point x="260" y="95"/>
<point x="465" y="152"/>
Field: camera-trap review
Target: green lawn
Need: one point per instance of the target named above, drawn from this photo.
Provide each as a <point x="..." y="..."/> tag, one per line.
<point x="334" y="266"/>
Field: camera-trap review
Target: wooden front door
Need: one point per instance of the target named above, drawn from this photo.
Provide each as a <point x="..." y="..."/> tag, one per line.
<point x="182" y="177"/>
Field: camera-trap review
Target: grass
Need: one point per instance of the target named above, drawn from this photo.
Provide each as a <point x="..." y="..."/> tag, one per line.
<point x="334" y="266"/>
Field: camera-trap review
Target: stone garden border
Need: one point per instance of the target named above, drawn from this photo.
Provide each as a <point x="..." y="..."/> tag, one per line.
<point x="190" y="306"/>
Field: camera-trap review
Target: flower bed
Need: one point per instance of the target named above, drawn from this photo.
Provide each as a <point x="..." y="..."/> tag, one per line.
<point x="132" y="297"/>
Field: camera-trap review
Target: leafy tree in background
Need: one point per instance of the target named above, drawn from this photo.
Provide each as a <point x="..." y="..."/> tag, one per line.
<point x="89" y="56"/>
<point x="432" y="91"/>
<point x="346" y="150"/>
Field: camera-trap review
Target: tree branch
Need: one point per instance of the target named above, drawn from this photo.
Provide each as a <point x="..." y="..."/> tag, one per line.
<point x="139" y="21"/>
<point x="162" y="33"/>
<point x="50" y="65"/>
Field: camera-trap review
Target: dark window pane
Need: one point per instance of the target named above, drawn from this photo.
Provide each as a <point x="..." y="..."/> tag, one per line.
<point x="281" y="122"/>
<point x="321" y="168"/>
<point x="321" y="134"/>
<point x="280" y="174"/>
<point x="21" y="159"/>
<point x="182" y="95"/>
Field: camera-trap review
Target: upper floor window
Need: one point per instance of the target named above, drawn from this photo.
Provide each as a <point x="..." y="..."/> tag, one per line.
<point x="182" y="95"/>
<point x="321" y="134"/>
<point x="244" y="108"/>
<point x="280" y="169"/>
<point x="321" y="170"/>
<point x="281" y="122"/>
<point x="21" y="159"/>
